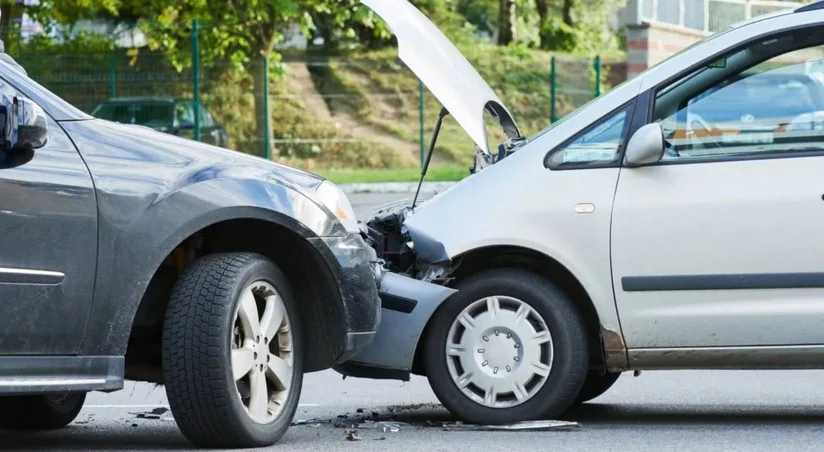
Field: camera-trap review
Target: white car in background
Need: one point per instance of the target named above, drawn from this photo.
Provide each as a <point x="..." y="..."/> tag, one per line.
<point x="628" y="236"/>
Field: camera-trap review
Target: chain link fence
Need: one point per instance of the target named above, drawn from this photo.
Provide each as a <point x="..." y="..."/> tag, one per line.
<point x="363" y="110"/>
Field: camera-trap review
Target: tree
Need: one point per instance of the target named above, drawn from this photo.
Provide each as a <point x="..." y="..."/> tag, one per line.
<point x="239" y="32"/>
<point x="508" y="18"/>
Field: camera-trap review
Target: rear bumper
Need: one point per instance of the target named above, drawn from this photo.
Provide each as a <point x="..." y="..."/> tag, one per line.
<point x="357" y="271"/>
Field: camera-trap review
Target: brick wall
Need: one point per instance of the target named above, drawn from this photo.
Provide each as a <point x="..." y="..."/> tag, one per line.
<point x="649" y="44"/>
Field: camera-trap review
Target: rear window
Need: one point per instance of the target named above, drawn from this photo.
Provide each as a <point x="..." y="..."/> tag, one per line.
<point x="145" y="114"/>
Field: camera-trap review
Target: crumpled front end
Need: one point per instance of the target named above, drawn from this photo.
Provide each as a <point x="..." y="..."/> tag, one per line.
<point x="411" y="291"/>
<point x="357" y="271"/>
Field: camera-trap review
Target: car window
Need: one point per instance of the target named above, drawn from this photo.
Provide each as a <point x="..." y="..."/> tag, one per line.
<point x="600" y="144"/>
<point x="747" y="105"/>
<point x="205" y="118"/>
<point x="141" y="113"/>
<point x="183" y="113"/>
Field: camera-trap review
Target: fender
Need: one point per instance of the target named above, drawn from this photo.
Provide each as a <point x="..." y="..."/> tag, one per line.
<point x="188" y="188"/>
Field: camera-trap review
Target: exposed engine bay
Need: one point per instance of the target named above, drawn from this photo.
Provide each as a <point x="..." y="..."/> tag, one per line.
<point x="394" y="243"/>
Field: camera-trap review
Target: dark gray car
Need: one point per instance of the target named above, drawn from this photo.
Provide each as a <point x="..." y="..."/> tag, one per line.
<point x="164" y="114"/>
<point x="133" y="254"/>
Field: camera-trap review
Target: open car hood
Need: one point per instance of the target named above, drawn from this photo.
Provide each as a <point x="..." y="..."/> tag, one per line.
<point x="435" y="60"/>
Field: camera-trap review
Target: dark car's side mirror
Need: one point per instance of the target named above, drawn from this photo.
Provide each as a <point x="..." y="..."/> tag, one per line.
<point x="24" y="124"/>
<point x="646" y="146"/>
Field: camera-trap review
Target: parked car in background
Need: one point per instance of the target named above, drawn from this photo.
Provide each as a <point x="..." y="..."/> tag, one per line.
<point x="164" y="114"/>
<point x="630" y="235"/>
<point x="133" y="254"/>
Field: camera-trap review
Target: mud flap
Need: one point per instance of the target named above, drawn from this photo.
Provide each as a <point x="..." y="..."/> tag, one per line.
<point x="407" y="304"/>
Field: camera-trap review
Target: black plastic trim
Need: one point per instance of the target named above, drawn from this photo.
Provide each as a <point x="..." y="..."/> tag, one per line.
<point x="397" y="303"/>
<point x="811" y="7"/>
<point x="358" y="370"/>
<point x="723" y="282"/>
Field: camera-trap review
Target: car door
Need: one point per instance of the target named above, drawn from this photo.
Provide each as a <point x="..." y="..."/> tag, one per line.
<point x="48" y="246"/>
<point x="720" y="243"/>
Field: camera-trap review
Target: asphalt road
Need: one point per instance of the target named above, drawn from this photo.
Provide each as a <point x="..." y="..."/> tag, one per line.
<point x="661" y="411"/>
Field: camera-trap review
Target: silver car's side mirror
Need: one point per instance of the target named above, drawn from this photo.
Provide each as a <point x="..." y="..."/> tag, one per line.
<point x="24" y="124"/>
<point x="646" y="146"/>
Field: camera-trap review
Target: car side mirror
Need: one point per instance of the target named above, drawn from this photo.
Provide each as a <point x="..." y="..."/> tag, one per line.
<point x="24" y="125"/>
<point x="646" y="146"/>
<point x="186" y="125"/>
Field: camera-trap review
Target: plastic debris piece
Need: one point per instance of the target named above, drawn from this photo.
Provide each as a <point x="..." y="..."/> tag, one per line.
<point x="352" y="434"/>
<point x="532" y="426"/>
<point x="156" y="413"/>
<point x="384" y="426"/>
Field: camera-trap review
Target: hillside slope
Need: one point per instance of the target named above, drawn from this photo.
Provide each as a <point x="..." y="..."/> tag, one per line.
<point x="373" y="99"/>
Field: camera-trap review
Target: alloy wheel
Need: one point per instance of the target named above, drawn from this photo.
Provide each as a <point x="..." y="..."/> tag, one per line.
<point x="262" y="361"/>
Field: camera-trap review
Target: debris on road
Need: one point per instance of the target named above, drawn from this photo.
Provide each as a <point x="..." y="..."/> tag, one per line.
<point x="154" y="414"/>
<point x="532" y="426"/>
<point x="160" y="413"/>
<point x="315" y="422"/>
<point x="352" y="434"/>
<point x="391" y="427"/>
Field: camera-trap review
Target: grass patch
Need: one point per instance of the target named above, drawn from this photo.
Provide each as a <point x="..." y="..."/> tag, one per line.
<point x="436" y="174"/>
<point x="520" y="76"/>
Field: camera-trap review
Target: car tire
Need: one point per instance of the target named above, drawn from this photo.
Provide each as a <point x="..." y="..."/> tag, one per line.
<point x="40" y="412"/>
<point x="595" y="385"/>
<point x="233" y="375"/>
<point x="542" y="373"/>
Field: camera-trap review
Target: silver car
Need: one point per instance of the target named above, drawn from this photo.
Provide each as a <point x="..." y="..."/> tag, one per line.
<point x="676" y="222"/>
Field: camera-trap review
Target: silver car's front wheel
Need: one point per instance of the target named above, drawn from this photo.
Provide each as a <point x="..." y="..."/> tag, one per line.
<point x="262" y="352"/>
<point x="499" y="352"/>
<point x="232" y="353"/>
<point x="509" y="346"/>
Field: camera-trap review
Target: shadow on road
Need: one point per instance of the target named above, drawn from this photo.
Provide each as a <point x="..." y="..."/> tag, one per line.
<point x="592" y="416"/>
<point x="605" y="415"/>
<point x="146" y="437"/>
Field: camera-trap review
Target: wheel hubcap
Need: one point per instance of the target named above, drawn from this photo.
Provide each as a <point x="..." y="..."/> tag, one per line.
<point x="262" y="352"/>
<point x="499" y="352"/>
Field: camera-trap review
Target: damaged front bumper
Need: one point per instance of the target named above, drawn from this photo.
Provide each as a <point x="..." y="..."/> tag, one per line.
<point x="357" y="271"/>
<point x="407" y="306"/>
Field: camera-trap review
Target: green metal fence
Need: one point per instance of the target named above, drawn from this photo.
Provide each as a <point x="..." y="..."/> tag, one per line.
<point x="362" y="110"/>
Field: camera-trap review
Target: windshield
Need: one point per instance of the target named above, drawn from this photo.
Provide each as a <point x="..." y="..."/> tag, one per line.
<point x="156" y="114"/>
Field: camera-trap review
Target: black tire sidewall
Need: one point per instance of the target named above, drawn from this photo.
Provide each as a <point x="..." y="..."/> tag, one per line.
<point x="596" y="385"/>
<point x="261" y="269"/>
<point x="570" y="357"/>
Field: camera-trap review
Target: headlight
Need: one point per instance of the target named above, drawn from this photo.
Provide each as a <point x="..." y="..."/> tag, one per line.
<point x="336" y="201"/>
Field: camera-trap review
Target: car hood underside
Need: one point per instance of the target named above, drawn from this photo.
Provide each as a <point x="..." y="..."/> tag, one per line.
<point x="435" y="60"/>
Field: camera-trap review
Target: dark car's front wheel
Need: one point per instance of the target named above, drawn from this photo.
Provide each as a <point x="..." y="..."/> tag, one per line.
<point x="232" y="352"/>
<point x="40" y="412"/>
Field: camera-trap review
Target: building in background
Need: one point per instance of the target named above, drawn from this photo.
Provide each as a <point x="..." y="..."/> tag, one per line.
<point x="656" y="29"/>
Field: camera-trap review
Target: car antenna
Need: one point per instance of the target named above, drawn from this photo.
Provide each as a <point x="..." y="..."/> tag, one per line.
<point x="425" y="168"/>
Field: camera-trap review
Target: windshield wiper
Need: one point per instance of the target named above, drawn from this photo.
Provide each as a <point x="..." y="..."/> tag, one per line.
<point x="425" y="168"/>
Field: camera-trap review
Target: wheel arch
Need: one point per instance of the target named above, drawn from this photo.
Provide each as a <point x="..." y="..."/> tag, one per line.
<point x="275" y="235"/>
<point x="607" y="347"/>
